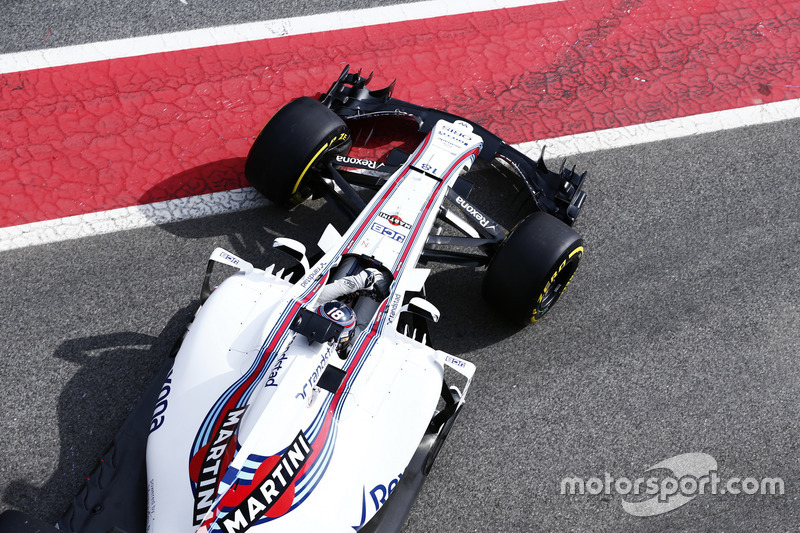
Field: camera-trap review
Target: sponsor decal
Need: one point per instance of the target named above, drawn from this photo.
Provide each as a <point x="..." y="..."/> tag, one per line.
<point x="395" y="220"/>
<point x="311" y="276"/>
<point x="458" y="134"/>
<point x="479" y="217"/>
<point x="220" y="449"/>
<point x="216" y="442"/>
<point x="233" y="260"/>
<point x="357" y="162"/>
<point x="381" y="492"/>
<point x="387" y="232"/>
<point x="349" y="284"/>
<point x="455" y="361"/>
<point x="271" y="492"/>
<point x="378" y="495"/>
<point x="309" y="385"/>
<point x="161" y="404"/>
<point x="274" y="371"/>
<point x="394" y="307"/>
<point x="151" y="498"/>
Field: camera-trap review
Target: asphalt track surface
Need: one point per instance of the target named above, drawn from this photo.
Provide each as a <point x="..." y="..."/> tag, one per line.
<point x="679" y="334"/>
<point x="33" y="26"/>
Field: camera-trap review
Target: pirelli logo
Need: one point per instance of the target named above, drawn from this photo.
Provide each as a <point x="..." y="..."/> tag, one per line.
<point x="270" y="490"/>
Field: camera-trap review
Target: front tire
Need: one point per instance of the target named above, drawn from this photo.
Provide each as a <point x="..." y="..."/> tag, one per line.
<point x="293" y="148"/>
<point x="532" y="268"/>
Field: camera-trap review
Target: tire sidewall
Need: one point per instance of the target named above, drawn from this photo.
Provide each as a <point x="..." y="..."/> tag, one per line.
<point x="559" y="280"/>
<point x="292" y="148"/>
<point x="538" y="256"/>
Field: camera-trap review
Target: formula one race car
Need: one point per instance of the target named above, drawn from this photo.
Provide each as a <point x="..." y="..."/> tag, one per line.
<point x="310" y="399"/>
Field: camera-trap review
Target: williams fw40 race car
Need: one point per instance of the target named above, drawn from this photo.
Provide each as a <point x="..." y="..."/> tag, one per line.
<point x="311" y="399"/>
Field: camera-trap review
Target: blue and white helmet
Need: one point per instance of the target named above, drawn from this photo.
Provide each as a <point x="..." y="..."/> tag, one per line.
<point x="342" y="315"/>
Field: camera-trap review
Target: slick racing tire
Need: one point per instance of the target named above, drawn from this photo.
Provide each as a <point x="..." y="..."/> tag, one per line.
<point x="292" y="148"/>
<point x="532" y="268"/>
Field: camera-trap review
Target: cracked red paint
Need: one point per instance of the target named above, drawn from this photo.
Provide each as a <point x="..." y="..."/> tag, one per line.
<point x="108" y="134"/>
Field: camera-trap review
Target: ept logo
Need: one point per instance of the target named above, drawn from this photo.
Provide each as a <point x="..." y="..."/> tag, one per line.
<point x="388" y="232"/>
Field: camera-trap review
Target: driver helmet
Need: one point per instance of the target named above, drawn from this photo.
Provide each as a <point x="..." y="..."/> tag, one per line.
<point x="342" y="315"/>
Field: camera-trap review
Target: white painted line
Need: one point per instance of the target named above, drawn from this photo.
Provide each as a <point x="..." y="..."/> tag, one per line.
<point x="663" y="130"/>
<point x="126" y="218"/>
<point x="253" y="31"/>
<point x="142" y="216"/>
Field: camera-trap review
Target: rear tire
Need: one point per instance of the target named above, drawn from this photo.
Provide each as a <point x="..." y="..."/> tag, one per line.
<point x="532" y="268"/>
<point x="293" y="148"/>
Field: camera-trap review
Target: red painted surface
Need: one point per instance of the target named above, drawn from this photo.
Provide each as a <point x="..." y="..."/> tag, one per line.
<point x="110" y="134"/>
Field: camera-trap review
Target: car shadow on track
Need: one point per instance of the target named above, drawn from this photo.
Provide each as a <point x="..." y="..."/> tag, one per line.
<point x="250" y="234"/>
<point x="113" y="371"/>
<point x="467" y="321"/>
<point x="222" y="175"/>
